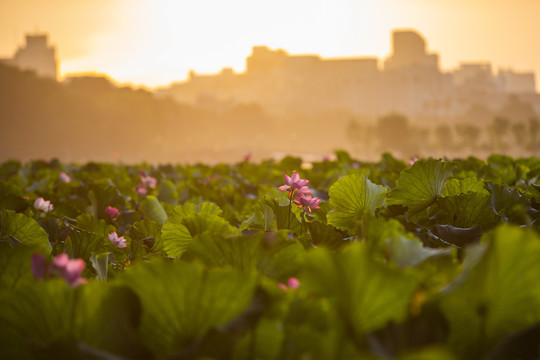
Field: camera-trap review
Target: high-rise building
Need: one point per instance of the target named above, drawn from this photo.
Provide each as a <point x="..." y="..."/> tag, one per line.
<point x="36" y="55"/>
<point x="409" y="51"/>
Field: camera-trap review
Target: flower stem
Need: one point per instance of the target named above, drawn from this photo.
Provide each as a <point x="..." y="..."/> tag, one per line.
<point x="290" y="210"/>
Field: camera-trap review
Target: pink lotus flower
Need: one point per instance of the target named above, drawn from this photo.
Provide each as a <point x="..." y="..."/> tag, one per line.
<point x="69" y="270"/>
<point x="62" y="266"/>
<point x="292" y="283"/>
<point x="146" y="182"/>
<point x="43" y="205"/>
<point x="112" y="213"/>
<point x="307" y="202"/>
<point x="149" y="181"/>
<point x="64" y="177"/>
<point x="119" y="242"/>
<point x="294" y="184"/>
<point x="141" y="189"/>
<point x="412" y="161"/>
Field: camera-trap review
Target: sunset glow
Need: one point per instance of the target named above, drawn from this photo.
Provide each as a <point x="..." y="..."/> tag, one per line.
<point x="156" y="42"/>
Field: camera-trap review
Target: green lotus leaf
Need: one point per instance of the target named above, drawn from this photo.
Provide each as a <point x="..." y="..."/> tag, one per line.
<point x="262" y="218"/>
<point x="15" y="266"/>
<point x="51" y="317"/>
<point x="240" y="252"/>
<point x="175" y="237"/>
<point x="191" y="208"/>
<point x="282" y="218"/>
<point x="420" y="186"/>
<point x="458" y="236"/>
<point x="94" y="225"/>
<point x="182" y="301"/>
<point x="154" y="210"/>
<point x="467" y="210"/>
<point x="202" y="223"/>
<point x="508" y="203"/>
<point x="351" y="197"/>
<point x="34" y="312"/>
<point x="364" y="293"/>
<point x="107" y="318"/>
<point x="82" y="244"/>
<point x="24" y="230"/>
<point x="407" y="252"/>
<point x="497" y="293"/>
<point x="325" y="235"/>
<point x="458" y="187"/>
<point x="100" y="262"/>
<point x="187" y="221"/>
<point x="148" y="229"/>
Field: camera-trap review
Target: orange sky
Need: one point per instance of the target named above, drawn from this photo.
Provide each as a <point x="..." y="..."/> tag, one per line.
<point x="154" y="42"/>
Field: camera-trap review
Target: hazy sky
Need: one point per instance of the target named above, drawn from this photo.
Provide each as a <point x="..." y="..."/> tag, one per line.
<point x="154" y="42"/>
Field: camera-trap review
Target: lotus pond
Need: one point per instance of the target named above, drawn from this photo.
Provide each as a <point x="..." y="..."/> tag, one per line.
<point x="337" y="259"/>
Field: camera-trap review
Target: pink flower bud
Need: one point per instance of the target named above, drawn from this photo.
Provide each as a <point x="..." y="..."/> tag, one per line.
<point x="141" y="189"/>
<point x="412" y="161"/>
<point x="64" y="177"/>
<point x="294" y="283"/>
<point x="39" y="266"/>
<point x="112" y="213"/>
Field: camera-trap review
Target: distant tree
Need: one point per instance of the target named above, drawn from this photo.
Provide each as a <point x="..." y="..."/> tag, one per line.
<point x="353" y="132"/>
<point x="419" y="139"/>
<point x="534" y="129"/>
<point x="444" y="138"/>
<point x="499" y="129"/>
<point x="519" y="131"/>
<point x="469" y="135"/>
<point x="516" y="110"/>
<point x="87" y="118"/>
<point x="393" y="133"/>
<point x="361" y="136"/>
<point x="478" y="114"/>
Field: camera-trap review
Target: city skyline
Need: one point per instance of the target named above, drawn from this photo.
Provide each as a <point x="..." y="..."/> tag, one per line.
<point x="156" y="43"/>
<point x="408" y="82"/>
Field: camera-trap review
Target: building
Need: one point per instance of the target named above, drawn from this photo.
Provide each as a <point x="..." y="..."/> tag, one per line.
<point x="409" y="82"/>
<point x="409" y="52"/>
<point x="36" y="55"/>
<point x="516" y="82"/>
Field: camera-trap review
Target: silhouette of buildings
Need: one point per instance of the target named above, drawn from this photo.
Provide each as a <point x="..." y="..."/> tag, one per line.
<point x="409" y="82"/>
<point x="36" y="55"/>
<point x="409" y="52"/>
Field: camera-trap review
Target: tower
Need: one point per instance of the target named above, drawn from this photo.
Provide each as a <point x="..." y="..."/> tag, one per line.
<point x="37" y="56"/>
<point x="408" y="51"/>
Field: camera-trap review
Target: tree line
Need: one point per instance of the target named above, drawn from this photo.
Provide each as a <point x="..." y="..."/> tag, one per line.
<point x="395" y="133"/>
